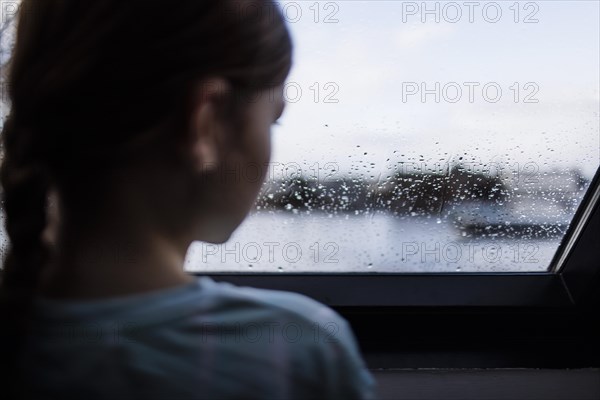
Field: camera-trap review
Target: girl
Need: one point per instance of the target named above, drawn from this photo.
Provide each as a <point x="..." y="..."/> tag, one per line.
<point x="127" y="113"/>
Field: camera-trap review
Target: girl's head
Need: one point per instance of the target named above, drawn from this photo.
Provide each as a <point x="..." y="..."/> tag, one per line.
<point x="146" y="112"/>
<point x="149" y="111"/>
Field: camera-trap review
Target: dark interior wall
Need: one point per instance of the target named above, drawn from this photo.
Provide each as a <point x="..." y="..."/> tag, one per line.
<point x="478" y="338"/>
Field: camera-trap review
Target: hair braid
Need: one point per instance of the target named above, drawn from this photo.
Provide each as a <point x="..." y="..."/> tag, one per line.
<point x="25" y="186"/>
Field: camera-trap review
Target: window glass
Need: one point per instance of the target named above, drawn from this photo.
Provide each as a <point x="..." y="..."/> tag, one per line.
<point x="423" y="137"/>
<point x="8" y="10"/>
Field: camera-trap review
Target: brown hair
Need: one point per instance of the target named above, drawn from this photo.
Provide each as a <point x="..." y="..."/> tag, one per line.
<point x="96" y="85"/>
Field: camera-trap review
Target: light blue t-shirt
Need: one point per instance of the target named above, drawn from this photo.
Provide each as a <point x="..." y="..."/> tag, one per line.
<point x="204" y="340"/>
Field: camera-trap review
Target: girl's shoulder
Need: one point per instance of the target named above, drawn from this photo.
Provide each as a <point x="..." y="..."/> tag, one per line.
<point x="200" y="332"/>
<point x="203" y="300"/>
<point x="287" y="305"/>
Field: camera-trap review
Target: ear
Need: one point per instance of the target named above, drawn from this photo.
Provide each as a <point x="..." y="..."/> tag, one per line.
<point x="207" y="128"/>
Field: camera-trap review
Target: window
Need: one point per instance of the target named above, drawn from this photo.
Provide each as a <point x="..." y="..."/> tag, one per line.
<point x="432" y="153"/>
<point x="425" y="137"/>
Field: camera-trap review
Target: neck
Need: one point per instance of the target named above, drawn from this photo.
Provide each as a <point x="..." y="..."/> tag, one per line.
<point x="118" y="259"/>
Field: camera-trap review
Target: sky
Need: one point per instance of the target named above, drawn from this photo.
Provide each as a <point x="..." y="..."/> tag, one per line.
<point x="378" y="51"/>
<point x="363" y="58"/>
